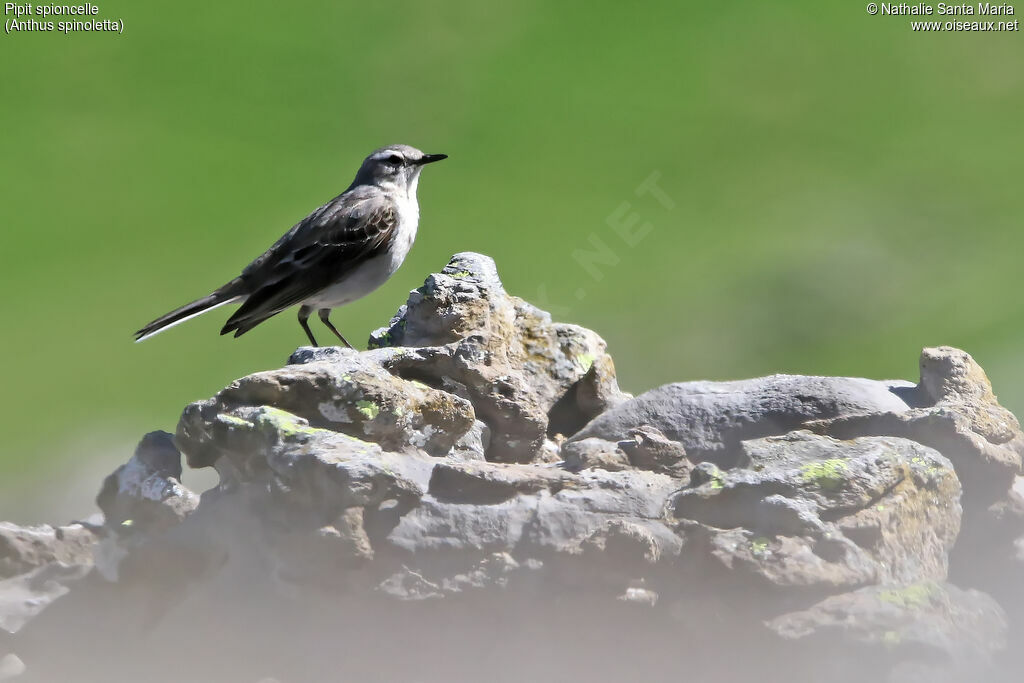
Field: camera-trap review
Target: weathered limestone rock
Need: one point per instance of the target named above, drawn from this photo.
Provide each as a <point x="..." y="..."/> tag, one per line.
<point x="648" y="449"/>
<point x="594" y="453"/>
<point x="932" y="631"/>
<point x="476" y="485"/>
<point x="809" y="512"/>
<point x="460" y="351"/>
<point x="954" y="411"/>
<point x="146" y="492"/>
<point x="24" y="548"/>
<point x="319" y="470"/>
<point x="351" y="394"/>
<point x="38" y="564"/>
<point x="712" y="419"/>
<point x="525" y="375"/>
<point x="483" y="482"/>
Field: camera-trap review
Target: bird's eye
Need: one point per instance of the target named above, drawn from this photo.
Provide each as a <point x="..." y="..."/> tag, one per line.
<point x="395" y="160"/>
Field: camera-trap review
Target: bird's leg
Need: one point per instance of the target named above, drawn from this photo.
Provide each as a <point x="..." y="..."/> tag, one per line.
<point x="304" y="313"/>
<point x="325" y="314"/>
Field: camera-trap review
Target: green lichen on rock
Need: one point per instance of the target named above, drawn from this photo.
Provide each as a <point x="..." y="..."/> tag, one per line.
<point x="369" y="409"/>
<point x="233" y="420"/>
<point x="891" y="639"/>
<point x="284" y="423"/>
<point x="461" y="274"/>
<point x="716" y="478"/>
<point x="269" y="420"/>
<point x="379" y="342"/>
<point x="759" y="546"/>
<point x="585" y="361"/>
<point x="912" y="597"/>
<point x="826" y="474"/>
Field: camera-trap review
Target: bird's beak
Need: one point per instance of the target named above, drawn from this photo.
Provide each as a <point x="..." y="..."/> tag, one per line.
<point x="430" y="158"/>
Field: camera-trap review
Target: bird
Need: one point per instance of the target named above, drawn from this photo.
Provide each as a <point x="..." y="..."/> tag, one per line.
<point x="340" y="252"/>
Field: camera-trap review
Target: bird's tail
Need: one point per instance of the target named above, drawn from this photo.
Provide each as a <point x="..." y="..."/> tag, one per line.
<point x="227" y="294"/>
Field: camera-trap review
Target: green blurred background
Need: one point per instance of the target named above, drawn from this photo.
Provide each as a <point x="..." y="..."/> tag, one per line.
<point x="845" y="191"/>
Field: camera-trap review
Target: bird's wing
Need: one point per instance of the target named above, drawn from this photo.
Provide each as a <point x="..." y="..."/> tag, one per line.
<point x="314" y="254"/>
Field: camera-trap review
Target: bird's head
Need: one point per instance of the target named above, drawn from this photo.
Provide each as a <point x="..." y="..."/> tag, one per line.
<point x="395" y="167"/>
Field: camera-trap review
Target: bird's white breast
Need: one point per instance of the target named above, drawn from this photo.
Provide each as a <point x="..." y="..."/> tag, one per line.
<point x="405" y="233"/>
<point x="374" y="272"/>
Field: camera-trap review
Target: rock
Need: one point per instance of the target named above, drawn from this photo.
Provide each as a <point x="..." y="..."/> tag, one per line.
<point x="318" y="470"/>
<point x="483" y="482"/>
<point x="353" y="395"/>
<point x="955" y="412"/>
<point x="25" y="548"/>
<point x="648" y="449"/>
<point x="315" y="354"/>
<point x="630" y="541"/>
<point x="24" y="596"/>
<point x="506" y="507"/>
<point x="809" y="512"/>
<point x="937" y="632"/>
<point x="473" y="444"/>
<point x="712" y="419"/>
<point x="463" y="367"/>
<point x="525" y="375"/>
<point x="950" y="376"/>
<point x="146" y="492"/>
<point x="594" y="454"/>
<point x="37" y="565"/>
<point x="478" y="484"/>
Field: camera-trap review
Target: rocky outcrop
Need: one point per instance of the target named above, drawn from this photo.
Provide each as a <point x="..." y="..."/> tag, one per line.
<point x="809" y="513"/>
<point x="712" y="419"/>
<point x="474" y="498"/>
<point x="146" y="492"/>
<point x="24" y="548"/>
<point x="37" y="566"/>
<point x="526" y="376"/>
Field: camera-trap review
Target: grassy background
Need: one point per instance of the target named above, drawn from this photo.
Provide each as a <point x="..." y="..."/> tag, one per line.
<point x="845" y="191"/>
